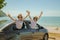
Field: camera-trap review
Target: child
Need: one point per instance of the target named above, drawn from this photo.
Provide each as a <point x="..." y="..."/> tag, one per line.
<point x="34" y="20"/>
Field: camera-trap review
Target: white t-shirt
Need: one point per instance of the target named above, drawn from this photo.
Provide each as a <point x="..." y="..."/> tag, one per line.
<point x="33" y="25"/>
<point x="19" y="24"/>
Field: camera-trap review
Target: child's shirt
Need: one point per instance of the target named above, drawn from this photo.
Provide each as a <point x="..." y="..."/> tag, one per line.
<point x="33" y="25"/>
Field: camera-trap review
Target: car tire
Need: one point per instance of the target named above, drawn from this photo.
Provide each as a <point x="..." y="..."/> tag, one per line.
<point x="45" y="37"/>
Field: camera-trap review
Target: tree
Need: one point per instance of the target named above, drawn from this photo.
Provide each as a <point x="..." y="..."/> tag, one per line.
<point x="2" y="3"/>
<point x="2" y="14"/>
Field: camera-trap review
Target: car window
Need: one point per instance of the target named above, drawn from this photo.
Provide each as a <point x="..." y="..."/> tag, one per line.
<point x="27" y="26"/>
<point x="36" y="27"/>
<point x="40" y="27"/>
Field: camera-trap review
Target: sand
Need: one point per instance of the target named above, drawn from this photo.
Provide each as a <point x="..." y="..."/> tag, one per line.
<point x="54" y="33"/>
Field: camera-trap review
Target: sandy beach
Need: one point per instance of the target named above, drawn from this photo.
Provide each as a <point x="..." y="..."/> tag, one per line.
<point x="54" y="33"/>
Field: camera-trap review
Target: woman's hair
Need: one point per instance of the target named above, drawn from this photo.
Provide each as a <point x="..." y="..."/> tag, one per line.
<point x="19" y="15"/>
<point x="35" y="18"/>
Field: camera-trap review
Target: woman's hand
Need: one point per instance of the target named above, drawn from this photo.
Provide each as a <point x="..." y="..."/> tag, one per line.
<point x="28" y="12"/>
<point x="9" y="15"/>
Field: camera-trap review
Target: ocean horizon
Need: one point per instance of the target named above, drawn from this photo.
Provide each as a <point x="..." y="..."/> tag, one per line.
<point x="43" y="21"/>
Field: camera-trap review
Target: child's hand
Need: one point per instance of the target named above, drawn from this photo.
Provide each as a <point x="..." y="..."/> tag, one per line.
<point x="28" y="14"/>
<point x="41" y="13"/>
<point x="27" y="11"/>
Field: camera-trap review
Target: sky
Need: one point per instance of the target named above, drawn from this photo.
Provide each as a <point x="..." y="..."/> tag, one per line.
<point x="49" y="7"/>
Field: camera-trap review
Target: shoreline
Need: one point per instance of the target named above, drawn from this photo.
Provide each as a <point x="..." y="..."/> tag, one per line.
<point x="53" y="29"/>
<point x="54" y="32"/>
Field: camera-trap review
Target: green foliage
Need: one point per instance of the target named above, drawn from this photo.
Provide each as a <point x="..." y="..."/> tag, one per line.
<point x="2" y="3"/>
<point x="2" y="21"/>
<point x="2" y="14"/>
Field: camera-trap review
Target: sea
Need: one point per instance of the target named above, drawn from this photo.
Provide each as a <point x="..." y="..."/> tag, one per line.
<point x="43" y="21"/>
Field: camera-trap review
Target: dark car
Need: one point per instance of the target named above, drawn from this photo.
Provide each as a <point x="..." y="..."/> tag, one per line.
<point x="7" y="32"/>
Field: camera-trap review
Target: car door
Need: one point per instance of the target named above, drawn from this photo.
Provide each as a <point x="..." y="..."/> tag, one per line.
<point x="8" y="31"/>
<point x="4" y="33"/>
<point x="26" y="34"/>
<point x="38" y="34"/>
<point x="2" y="36"/>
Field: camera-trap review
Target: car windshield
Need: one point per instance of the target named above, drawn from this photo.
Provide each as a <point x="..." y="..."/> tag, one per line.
<point x="4" y="21"/>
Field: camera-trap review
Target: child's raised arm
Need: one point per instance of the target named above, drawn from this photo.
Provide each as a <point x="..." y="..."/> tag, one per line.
<point x="11" y="17"/>
<point x="26" y="15"/>
<point x="40" y="15"/>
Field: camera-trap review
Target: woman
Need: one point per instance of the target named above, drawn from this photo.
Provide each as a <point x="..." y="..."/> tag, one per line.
<point x="19" y="22"/>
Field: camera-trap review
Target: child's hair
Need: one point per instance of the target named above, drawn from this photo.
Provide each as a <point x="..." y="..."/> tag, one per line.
<point x="19" y="15"/>
<point x="35" y="18"/>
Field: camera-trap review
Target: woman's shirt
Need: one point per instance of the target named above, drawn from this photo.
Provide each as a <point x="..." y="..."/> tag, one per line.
<point x="19" y="24"/>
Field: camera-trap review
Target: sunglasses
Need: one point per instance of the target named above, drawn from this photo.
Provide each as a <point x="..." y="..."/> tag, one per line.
<point x="20" y="17"/>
